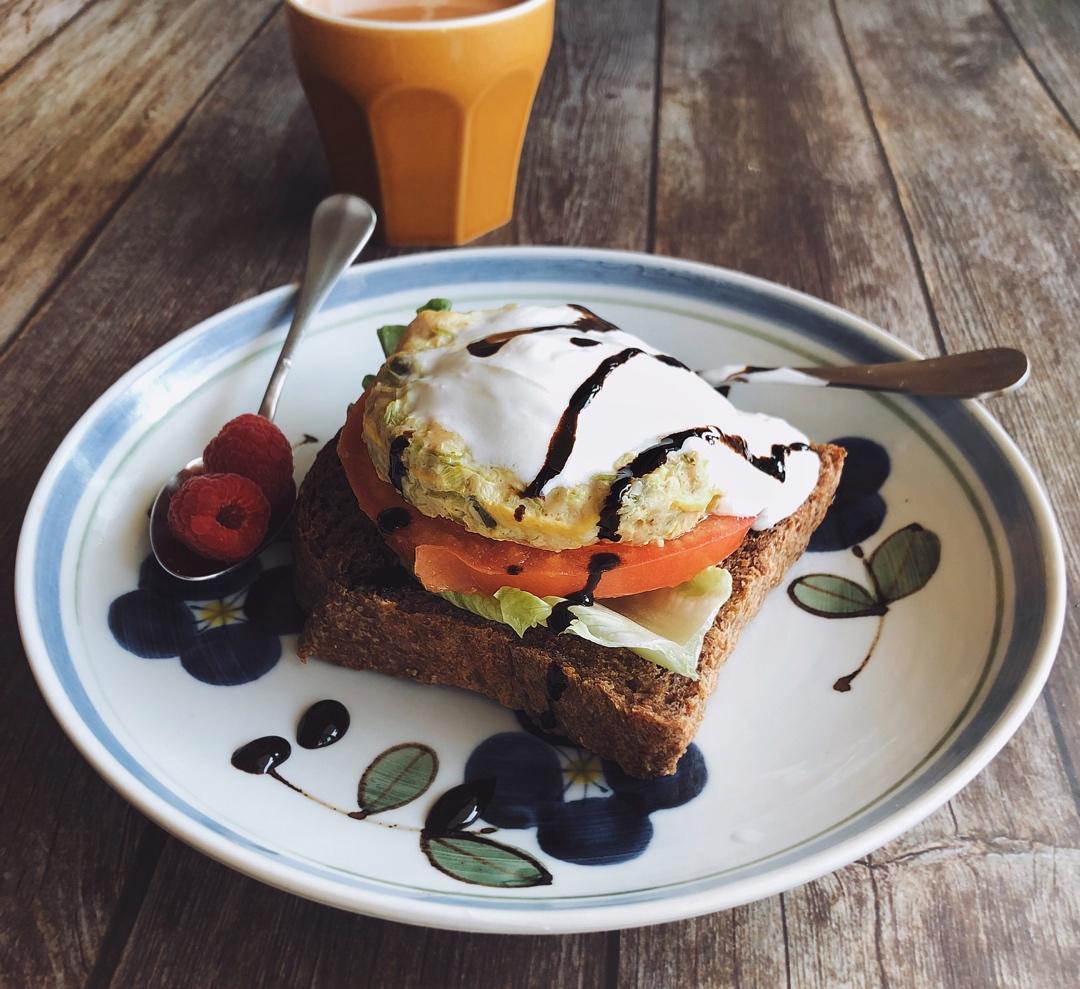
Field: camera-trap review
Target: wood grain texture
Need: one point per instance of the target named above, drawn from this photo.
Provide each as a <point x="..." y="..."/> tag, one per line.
<point x="883" y="156"/>
<point x="995" y="212"/>
<point x="25" y="24"/>
<point x="767" y="164"/>
<point x="742" y="947"/>
<point x="766" y="125"/>
<point x="586" y="169"/>
<point x="100" y="100"/>
<point x="68" y="843"/>
<point x="194" y="247"/>
<point x="159" y="266"/>
<point x="226" y="930"/>
<point x="974" y="913"/>
<point x="1048" y="32"/>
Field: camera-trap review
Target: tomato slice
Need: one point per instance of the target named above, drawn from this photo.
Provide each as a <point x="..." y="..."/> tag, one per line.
<point x="445" y="556"/>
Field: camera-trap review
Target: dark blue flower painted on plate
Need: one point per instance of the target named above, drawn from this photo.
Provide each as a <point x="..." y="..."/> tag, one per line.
<point x="858" y="509"/>
<point x="225" y="631"/>
<point x="585" y="809"/>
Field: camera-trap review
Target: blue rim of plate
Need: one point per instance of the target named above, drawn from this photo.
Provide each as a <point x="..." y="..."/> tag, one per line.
<point x="1031" y="540"/>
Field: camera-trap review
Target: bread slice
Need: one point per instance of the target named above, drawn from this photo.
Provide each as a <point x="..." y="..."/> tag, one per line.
<point x="365" y="611"/>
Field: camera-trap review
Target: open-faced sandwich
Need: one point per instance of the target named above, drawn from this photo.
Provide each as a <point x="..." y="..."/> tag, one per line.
<point x="533" y="504"/>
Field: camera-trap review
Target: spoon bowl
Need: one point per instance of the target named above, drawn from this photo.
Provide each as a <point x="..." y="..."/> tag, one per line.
<point x="340" y="228"/>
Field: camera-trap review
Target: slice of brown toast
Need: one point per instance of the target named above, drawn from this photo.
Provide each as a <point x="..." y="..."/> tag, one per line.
<point x="365" y="611"/>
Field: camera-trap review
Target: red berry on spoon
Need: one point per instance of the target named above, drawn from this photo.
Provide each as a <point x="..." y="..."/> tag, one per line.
<point x="221" y="516"/>
<point x="254" y="447"/>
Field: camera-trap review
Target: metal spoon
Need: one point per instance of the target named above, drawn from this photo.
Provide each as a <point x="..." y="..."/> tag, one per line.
<point x="340" y="228"/>
<point x="975" y="374"/>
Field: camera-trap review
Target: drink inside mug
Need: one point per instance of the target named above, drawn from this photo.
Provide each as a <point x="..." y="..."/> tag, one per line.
<point x="422" y="106"/>
<point x="402" y="10"/>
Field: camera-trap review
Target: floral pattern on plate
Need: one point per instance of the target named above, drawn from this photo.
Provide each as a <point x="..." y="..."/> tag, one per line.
<point x="858" y="508"/>
<point x="225" y="631"/>
<point x="585" y="809"/>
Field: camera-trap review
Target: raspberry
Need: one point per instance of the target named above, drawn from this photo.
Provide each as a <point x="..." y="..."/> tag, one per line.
<point x="254" y="447"/>
<point x="220" y="516"/>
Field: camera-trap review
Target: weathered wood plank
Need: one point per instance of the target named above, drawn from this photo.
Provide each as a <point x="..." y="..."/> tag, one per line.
<point x="975" y="913"/>
<point x="585" y="174"/>
<point x="261" y="937"/>
<point x="176" y="251"/>
<point x="1048" y="31"/>
<point x="767" y="163"/>
<point x="175" y="255"/>
<point x="67" y="845"/>
<point x="741" y="947"/>
<point x="832" y="931"/>
<point x="80" y="119"/>
<point x="1024" y="794"/>
<point x="989" y="175"/>
<point x="25" y="24"/>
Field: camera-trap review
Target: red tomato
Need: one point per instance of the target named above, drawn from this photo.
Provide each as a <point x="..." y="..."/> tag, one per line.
<point x="445" y="556"/>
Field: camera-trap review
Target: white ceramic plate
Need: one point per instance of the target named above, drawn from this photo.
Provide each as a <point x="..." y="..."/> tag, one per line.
<point x="790" y="778"/>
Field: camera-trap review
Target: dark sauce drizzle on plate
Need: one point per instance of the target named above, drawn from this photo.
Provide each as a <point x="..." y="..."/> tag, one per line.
<point x="322" y="724"/>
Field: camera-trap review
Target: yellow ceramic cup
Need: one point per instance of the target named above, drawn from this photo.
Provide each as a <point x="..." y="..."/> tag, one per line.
<point x="425" y="118"/>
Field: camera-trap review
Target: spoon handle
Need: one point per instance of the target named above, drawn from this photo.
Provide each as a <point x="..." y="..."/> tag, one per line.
<point x="975" y="374"/>
<point x="341" y="226"/>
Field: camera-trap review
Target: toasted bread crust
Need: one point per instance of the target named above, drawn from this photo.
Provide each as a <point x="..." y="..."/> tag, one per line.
<point x="364" y="611"/>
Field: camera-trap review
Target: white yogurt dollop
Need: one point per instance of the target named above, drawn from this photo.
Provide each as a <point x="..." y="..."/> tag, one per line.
<point x="507" y="406"/>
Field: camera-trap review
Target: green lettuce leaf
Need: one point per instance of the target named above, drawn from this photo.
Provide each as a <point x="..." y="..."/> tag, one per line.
<point x="390" y="337"/>
<point x="518" y="609"/>
<point x="666" y="627"/>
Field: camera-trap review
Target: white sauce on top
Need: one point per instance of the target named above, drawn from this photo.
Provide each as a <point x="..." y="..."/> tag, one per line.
<point x="507" y="406"/>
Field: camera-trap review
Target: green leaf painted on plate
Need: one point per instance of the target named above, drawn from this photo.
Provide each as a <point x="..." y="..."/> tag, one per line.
<point x="390" y="337"/>
<point x="483" y="862"/>
<point x="396" y="777"/>
<point x="905" y="562"/>
<point x="831" y="596"/>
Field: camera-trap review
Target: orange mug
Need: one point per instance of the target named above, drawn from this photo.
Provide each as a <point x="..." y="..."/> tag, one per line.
<point x="425" y="118"/>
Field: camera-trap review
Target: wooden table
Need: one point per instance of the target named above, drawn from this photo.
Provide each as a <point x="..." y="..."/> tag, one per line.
<point x="915" y="162"/>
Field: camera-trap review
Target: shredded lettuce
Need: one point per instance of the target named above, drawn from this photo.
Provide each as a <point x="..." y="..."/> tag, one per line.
<point x="390" y="337"/>
<point x="518" y="609"/>
<point x="666" y="626"/>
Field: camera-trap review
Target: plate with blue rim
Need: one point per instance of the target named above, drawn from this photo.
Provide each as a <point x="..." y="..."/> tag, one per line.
<point x="886" y="671"/>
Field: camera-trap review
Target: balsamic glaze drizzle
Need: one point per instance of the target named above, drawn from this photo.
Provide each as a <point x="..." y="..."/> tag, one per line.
<point x="562" y="440"/>
<point x="261" y="755"/>
<point x="392" y="519"/>
<point x="589" y="322"/>
<point x="644" y="463"/>
<point x="555" y="684"/>
<point x="397" y="469"/>
<point x="322" y="724"/>
<point x="599" y="564"/>
<point x="775" y="465"/>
